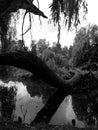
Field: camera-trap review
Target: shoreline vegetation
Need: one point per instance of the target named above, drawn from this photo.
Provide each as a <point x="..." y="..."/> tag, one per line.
<point x="39" y="126"/>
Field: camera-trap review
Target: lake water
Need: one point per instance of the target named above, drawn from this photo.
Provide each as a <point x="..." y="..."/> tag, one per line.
<point x="32" y="105"/>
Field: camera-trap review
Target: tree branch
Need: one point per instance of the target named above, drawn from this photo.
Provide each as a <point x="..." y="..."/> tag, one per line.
<point x="14" y="5"/>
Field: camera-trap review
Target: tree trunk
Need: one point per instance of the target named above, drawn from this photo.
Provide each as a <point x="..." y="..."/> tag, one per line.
<point x="46" y="113"/>
<point x="35" y="65"/>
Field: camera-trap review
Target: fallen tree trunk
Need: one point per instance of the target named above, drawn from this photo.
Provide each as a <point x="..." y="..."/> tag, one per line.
<point x="35" y="65"/>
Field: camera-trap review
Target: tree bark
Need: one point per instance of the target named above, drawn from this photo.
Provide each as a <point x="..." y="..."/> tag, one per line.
<point x="35" y="65"/>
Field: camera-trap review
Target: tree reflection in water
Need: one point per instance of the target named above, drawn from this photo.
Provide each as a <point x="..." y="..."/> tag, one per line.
<point x="62" y="116"/>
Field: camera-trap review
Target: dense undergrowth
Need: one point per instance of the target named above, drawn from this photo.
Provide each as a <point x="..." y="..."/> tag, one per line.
<point x="41" y="126"/>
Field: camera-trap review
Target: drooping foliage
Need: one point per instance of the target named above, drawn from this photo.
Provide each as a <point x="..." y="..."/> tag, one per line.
<point x="69" y="9"/>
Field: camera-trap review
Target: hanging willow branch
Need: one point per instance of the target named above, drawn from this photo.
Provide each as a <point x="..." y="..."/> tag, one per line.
<point x="29" y="28"/>
<point x="23" y="23"/>
<point x="69" y="9"/>
<point x="59" y="32"/>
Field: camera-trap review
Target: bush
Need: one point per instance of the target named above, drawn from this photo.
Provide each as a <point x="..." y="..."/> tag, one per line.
<point x="7" y="98"/>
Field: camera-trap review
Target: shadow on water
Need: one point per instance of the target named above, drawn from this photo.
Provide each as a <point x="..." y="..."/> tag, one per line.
<point x="32" y="105"/>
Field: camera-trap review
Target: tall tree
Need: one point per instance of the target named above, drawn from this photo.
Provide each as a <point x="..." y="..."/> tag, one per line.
<point x="85" y="42"/>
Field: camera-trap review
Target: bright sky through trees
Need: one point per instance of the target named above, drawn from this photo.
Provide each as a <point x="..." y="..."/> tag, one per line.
<point x="49" y="32"/>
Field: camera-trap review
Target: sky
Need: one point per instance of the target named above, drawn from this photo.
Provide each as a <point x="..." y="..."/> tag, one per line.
<point x="49" y="31"/>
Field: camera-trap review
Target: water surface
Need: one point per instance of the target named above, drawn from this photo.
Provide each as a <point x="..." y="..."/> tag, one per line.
<point x="32" y="105"/>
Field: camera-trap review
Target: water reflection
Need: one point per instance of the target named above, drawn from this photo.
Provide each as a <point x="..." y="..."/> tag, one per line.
<point x="65" y="114"/>
<point x="31" y="105"/>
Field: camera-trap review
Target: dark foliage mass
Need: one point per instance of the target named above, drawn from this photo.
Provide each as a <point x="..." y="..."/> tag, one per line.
<point x="87" y="99"/>
<point x="7" y="99"/>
